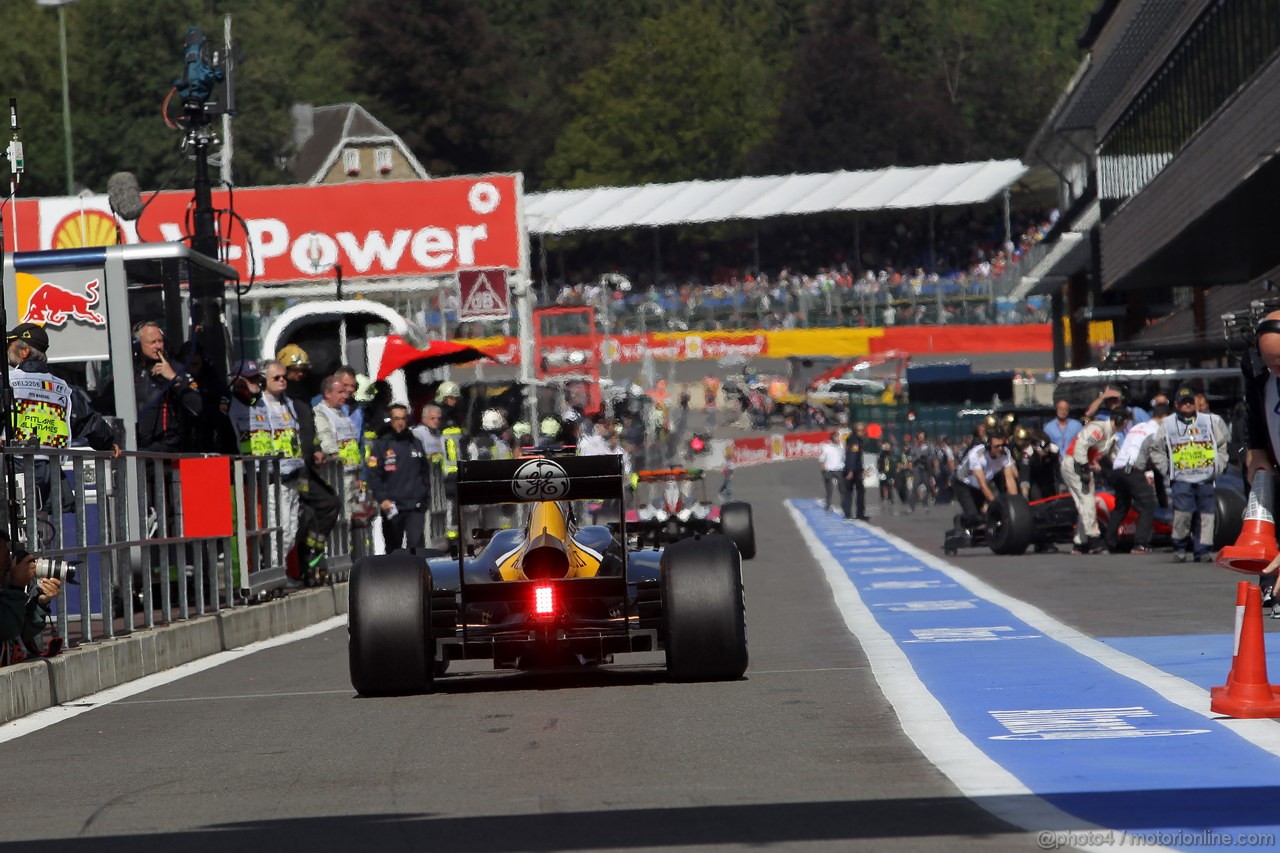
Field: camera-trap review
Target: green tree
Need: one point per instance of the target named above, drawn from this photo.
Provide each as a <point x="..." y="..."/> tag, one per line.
<point x="437" y="75"/>
<point x="29" y="73"/>
<point x="1001" y="63"/>
<point x="687" y="97"/>
<point x="846" y="106"/>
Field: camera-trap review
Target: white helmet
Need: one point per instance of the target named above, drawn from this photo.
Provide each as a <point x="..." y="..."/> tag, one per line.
<point x="447" y="389"/>
<point x="492" y="420"/>
<point x="520" y="429"/>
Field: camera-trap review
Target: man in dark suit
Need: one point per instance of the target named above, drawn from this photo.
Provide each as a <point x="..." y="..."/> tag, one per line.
<point x="853" y="485"/>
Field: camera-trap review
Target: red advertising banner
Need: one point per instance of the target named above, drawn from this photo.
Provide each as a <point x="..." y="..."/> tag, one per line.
<point x="780" y="447"/>
<point x="1025" y="337"/>
<point x="293" y="233"/>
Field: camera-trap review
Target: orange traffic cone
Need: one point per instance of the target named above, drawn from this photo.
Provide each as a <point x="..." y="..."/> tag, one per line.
<point x="1256" y="546"/>
<point x="1242" y="596"/>
<point x="1247" y="693"/>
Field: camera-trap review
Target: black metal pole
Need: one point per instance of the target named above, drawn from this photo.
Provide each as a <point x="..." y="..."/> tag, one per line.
<point x="6" y="391"/>
<point x="206" y="286"/>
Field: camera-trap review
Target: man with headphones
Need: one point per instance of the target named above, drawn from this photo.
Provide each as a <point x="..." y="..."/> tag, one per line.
<point x="987" y="463"/>
<point x="169" y="401"/>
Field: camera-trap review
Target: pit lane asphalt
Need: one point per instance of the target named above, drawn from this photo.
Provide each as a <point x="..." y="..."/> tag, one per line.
<point x="273" y="751"/>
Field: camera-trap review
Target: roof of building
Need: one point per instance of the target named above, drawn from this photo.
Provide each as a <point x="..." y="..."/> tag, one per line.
<point x="324" y="131"/>
<point x="654" y="205"/>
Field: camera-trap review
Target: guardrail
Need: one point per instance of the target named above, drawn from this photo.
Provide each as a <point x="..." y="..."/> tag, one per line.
<point x="160" y="538"/>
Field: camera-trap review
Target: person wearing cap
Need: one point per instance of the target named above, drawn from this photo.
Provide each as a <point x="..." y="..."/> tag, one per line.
<point x="1195" y="452"/>
<point x="1082" y="466"/>
<point x="49" y="411"/>
<point x="169" y="400"/>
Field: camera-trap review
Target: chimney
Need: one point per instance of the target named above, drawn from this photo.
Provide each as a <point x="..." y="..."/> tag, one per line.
<point x="304" y="123"/>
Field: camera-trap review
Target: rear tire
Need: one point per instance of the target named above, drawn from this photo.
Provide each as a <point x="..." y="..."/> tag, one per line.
<point x="1010" y="524"/>
<point x="736" y="523"/>
<point x="1228" y="516"/>
<point x="703" y="610"/>
<point x="388" y="623"/>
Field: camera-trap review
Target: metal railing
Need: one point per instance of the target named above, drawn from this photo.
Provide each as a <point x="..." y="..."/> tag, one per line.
<point x="141" y="546"/>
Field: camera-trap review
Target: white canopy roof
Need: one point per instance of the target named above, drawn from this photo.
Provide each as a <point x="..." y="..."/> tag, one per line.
<point x="565" y="211"/>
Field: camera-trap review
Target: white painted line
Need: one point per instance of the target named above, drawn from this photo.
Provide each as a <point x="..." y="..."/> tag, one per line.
<point x="1261" y="733"/>
<point x="32" y="723"/>
<point x="923" y="718"/>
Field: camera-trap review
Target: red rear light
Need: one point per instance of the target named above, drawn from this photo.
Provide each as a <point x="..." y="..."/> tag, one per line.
<point x="544" y="601"/>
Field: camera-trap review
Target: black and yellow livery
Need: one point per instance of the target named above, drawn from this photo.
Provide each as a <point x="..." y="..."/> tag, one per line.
<point x="548" y="592"/>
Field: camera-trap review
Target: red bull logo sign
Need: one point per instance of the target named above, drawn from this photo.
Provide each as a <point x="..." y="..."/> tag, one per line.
<point x="69" y="303"/>
<point x="51" y="304"/>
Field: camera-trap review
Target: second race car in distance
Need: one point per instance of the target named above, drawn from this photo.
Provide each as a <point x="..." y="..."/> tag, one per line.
<point x="670" y="504"/>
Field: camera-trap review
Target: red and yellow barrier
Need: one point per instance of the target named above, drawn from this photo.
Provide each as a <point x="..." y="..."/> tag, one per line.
<point x="841" y="343"/>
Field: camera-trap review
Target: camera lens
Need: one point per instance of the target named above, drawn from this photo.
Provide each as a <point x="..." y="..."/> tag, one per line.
<point x="56" y="569"/>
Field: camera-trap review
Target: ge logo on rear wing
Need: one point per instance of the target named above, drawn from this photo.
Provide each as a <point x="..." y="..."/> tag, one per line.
<point x="540" y="480"/>
<point x="532" y="480"/>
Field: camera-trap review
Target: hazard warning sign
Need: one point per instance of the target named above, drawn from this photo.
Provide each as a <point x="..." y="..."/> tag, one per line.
<point x="483" y="295"/>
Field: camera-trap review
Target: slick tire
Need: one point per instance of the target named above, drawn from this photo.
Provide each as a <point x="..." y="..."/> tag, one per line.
<point x="703" y="609"/>
<point x="388" y="620"/>
<point x="1010" y="524"/>
<point x="736" y="523"/>
<point x="1228" y="516"/>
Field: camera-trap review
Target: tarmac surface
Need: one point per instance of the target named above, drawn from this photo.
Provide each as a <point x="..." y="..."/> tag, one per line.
<point x="808" y="752"/>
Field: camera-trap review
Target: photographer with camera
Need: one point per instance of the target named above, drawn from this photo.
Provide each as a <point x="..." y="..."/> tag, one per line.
<point x="24" y="603"/>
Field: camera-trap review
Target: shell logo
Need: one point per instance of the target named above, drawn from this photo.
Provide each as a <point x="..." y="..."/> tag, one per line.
<point x="85" y="228"/>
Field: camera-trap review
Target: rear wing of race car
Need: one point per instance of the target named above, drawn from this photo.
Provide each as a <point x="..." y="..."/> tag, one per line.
<point x="540" y="478"/>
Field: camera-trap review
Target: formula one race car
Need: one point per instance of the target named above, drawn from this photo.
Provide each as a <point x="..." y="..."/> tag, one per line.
<point x="1013" y="523"/>
<point x="548" y="593"/>
<point x="671" y="504"/>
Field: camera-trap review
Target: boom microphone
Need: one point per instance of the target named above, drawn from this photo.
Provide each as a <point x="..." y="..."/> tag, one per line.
<point x="125" y="196"/>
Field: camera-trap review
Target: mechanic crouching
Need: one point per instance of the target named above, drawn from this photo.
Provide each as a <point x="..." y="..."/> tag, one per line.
<point x="1080" y="468"/>
<point x="986" y="463"/>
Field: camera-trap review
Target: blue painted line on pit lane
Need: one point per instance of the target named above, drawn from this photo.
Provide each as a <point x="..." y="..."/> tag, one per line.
<point x="1202" y="659"/>
<point x="1096" y="744"/>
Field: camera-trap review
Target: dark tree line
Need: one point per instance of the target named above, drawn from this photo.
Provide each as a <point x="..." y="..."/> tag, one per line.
<point x="572" y="92"/>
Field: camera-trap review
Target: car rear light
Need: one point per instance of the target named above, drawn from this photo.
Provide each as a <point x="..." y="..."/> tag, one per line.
<point x="544" y="601"/>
